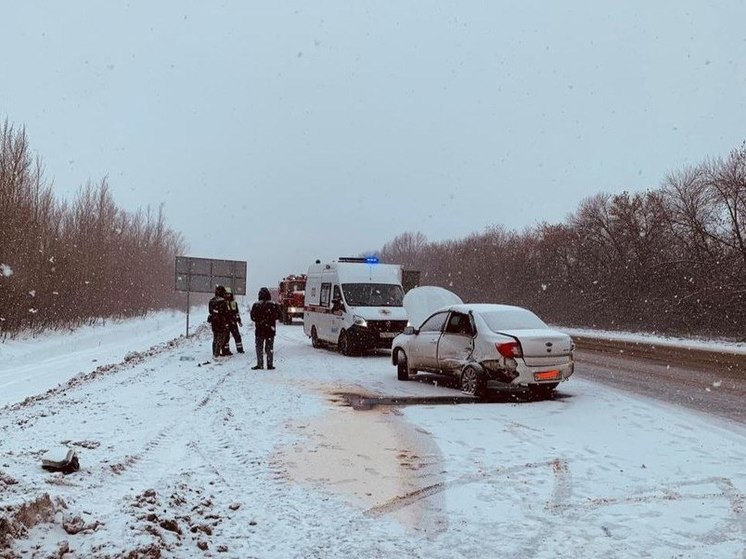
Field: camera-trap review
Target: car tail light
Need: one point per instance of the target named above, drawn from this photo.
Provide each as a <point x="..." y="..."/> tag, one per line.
<point x="509" y="349"/>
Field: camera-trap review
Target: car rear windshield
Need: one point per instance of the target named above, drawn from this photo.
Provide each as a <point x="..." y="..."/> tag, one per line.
<point x="513" y="319"/>
<point x="373" y="294"/>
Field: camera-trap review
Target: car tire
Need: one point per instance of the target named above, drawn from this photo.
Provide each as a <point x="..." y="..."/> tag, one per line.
<point x="473" y="382"/>
<point x="315" y="341"/>
<point x="403" y="372"/>
<point x="542" y="391"/>
<point x="344" y="344"/>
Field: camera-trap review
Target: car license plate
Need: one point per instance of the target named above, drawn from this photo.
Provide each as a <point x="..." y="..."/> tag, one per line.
<point x="388" y="334"/>
<point x="548" y="375"/>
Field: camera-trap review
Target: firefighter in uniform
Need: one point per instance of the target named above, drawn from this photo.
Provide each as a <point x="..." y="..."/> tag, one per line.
<point x="265" y="313"/>
<point x="219" y="318"/>
<point x="234" y="323"/>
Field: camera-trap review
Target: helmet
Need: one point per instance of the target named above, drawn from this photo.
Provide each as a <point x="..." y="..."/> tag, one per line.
<point x="219" y="290"/>
<point x="228" y="291"/>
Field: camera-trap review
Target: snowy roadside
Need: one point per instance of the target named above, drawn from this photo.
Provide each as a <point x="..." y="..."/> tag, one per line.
<point x="184" y="459"/>
<point x="30" y="365"/>
<point x="647" y="338"/>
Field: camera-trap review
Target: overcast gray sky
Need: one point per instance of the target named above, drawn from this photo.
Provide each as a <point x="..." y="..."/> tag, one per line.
<point x="282" y="132"/>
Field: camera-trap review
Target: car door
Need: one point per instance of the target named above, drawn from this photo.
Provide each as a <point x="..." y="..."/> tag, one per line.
<point x="425" y="348"/>
<point x="337" y="316"/>
<point x="456" y="344"/>
<point x="325" y="316"/>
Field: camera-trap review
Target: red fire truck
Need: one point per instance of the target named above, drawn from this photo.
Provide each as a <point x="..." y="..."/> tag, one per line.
<point x="291" y="297"/>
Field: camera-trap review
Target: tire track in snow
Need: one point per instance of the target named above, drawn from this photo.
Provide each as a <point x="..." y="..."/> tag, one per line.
<point x="412" y="497"/>
<point x="227" y="452"/>
<point x="175" y="434"/>
<point x="735" y="528"/>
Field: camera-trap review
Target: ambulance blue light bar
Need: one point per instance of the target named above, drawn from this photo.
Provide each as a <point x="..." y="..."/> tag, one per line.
<point x="361" y="260"/>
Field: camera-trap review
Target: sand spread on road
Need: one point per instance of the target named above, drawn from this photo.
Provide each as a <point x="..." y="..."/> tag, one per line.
<point x="368" y="458"/>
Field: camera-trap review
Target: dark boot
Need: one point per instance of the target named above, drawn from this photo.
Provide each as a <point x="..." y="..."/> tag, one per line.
<point x="256" y="367"/>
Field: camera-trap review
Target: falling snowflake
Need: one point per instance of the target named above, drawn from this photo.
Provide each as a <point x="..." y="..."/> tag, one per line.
<point x="32" y="292"/>
<point x="33" y="311"/>
<point x="5" y="270"/>
<point x="717" y="383"/>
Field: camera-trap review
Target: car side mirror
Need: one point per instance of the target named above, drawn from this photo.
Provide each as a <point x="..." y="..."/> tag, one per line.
<point x="409" y="330"/>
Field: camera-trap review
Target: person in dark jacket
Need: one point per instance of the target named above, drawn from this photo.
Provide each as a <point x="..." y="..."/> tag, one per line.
<point x="219" y="318"/>
<point x="265" y="313"/>
<point x="234" y="323"/>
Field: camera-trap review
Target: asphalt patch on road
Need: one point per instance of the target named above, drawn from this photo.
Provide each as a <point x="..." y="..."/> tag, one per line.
<point x="364" y="402"/>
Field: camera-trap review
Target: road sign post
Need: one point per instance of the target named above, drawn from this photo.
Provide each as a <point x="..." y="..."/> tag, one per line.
<point x="201" y="275"/>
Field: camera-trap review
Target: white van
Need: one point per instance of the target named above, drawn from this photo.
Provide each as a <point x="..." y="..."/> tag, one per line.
<point x="354" y="303"/>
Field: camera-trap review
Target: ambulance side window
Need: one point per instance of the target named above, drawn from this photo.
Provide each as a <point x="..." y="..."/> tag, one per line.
<point x="326" y="289"/>
<point x="337" y="304"/>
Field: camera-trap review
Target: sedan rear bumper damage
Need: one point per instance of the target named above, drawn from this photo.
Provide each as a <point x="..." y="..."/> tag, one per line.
<point x="545" y="374"/>
<point x="523" y="375"/>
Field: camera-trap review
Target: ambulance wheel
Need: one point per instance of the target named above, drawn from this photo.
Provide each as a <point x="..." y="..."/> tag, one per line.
<point x="315" y="341"/>
<point x="345" y="344"/>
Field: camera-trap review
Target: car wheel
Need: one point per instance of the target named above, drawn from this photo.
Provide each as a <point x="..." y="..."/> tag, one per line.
<point x="473" y="382"/>
<point x="403" y="371"/>
<point x="315" y="341"/>
<point x="542" y="391"/>
<point x="344" y="344"/>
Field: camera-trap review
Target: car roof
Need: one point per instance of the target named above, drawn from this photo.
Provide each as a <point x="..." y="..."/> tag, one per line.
<point x="481" y="308"/>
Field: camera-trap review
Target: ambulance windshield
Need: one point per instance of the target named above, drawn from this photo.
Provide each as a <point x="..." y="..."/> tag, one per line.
<point x="373" y="294"/>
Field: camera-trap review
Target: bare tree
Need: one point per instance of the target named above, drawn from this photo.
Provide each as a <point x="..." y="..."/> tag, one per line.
<point x="65" y="264"/>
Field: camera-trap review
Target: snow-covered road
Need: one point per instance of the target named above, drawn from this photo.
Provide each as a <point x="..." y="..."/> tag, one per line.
<point x="185" y="459"/>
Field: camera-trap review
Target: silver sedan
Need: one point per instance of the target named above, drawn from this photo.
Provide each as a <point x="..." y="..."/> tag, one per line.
<point x="487" y="347"/>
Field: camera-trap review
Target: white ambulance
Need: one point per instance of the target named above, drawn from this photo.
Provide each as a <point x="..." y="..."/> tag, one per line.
<point x="354" y="303"/>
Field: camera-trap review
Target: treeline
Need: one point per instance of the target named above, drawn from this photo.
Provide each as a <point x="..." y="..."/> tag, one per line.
<point x="63" y="264"/>
<point x="670" y="260"/>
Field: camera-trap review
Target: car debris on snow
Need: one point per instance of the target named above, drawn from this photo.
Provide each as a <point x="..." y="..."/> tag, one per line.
<point x="67" y="465"/>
